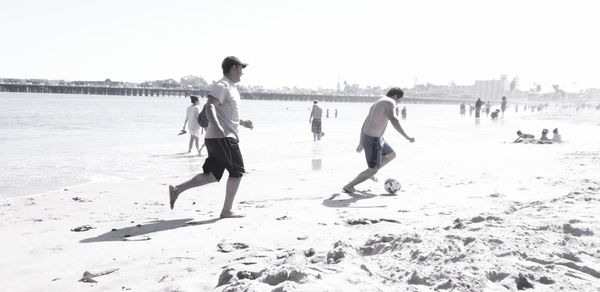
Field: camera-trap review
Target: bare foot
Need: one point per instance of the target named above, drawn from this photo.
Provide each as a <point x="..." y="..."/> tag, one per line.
<point x="173" y="194"/>
<point x="231" y="215"/>
<point x="348" y="190"/>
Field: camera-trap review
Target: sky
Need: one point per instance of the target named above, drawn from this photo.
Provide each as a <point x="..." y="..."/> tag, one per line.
<point x="308" y="43"/>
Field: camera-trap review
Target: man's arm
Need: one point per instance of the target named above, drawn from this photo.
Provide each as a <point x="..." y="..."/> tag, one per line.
<point x="247" y="123"/>
<point x="211" y="114"/>
<point x="312" y="112"/>
<point x="394" y="120"/>
<point x="359" y="148"/>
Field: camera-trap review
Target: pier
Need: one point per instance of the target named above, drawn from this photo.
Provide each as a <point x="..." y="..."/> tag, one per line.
<point x="203" y="92"/>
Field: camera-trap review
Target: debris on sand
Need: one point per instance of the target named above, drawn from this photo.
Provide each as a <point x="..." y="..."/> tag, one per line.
<point x="88" y="276"/>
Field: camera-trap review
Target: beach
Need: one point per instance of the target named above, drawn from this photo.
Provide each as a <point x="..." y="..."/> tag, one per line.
<point x="475" y="212"/>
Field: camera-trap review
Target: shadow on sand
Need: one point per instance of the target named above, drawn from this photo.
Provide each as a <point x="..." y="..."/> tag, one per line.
<point x="124" y="234"/>
<point x="347" y="203"/>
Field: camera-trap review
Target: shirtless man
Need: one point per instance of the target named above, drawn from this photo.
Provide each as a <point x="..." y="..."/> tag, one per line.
<point x="377" y="152"/>
<point x="315" y="120"/>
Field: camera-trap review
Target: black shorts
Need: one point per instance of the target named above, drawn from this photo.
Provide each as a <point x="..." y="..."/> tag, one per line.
<point x="375" y="148"/>
<point x="223" y="153"/>
<point x="316" y="126"/>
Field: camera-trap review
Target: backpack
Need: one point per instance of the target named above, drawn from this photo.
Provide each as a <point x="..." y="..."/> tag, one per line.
<point x="202" y="119"/>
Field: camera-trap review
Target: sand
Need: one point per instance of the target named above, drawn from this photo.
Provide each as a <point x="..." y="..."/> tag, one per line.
<point x="523" y="217"/>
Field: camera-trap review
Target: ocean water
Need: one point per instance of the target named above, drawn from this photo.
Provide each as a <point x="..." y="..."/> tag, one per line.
<point x="49" y="142"/>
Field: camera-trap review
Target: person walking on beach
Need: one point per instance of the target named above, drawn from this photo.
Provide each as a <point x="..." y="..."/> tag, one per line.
<point x="463" y="109"/>
<point x="222" y="110"/>
<point x="403" y="112"/>
<point x="191" y="120"/>
<point x="315" y="120"/>
<point x="377" y="151"/>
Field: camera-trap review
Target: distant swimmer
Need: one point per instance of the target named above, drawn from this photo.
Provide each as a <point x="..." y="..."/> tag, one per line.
<point x="556" y="137"/>
<point x="191" y="120"/>
<point x="222" y="141"/>
<point x="316" y="121"/>
<point x="524" y="137"/>
<point x="377" y="151"/>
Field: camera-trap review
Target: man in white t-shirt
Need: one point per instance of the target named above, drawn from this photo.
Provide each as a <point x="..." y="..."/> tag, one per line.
<point x="221" y="138"/>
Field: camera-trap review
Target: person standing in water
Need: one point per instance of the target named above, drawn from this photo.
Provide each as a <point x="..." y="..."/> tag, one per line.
<point x="315" y="120"/>
<point x="503" y="105"/>
<point x="478" y="105"/>
<point x="377" y="151"/>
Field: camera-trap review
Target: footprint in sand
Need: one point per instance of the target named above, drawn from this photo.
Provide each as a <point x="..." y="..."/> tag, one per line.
<point x="229" y="247"/>
<point x="81" y="200"/>
<point x="82" y="228"/>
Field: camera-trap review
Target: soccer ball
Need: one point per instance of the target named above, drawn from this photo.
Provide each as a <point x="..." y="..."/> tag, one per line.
<point x="391" y="186"/>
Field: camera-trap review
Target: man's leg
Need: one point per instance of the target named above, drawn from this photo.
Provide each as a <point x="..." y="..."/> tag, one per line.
<point x="387" y="158"/>
<point x="231" y="189"/>
<point x="361" y="177"/>
<point x="369" y="173"/>
<point x="196" y="181"/>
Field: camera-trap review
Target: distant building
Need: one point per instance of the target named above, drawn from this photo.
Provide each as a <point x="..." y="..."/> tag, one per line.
<point x="491" y="89"/>
<point x="592" y="92"/>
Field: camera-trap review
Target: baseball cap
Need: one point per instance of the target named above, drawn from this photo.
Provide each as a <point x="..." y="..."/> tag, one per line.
<point x="230" y="61"/>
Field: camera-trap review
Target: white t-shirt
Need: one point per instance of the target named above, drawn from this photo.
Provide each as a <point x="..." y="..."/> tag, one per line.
<point x="228" y="109"/>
